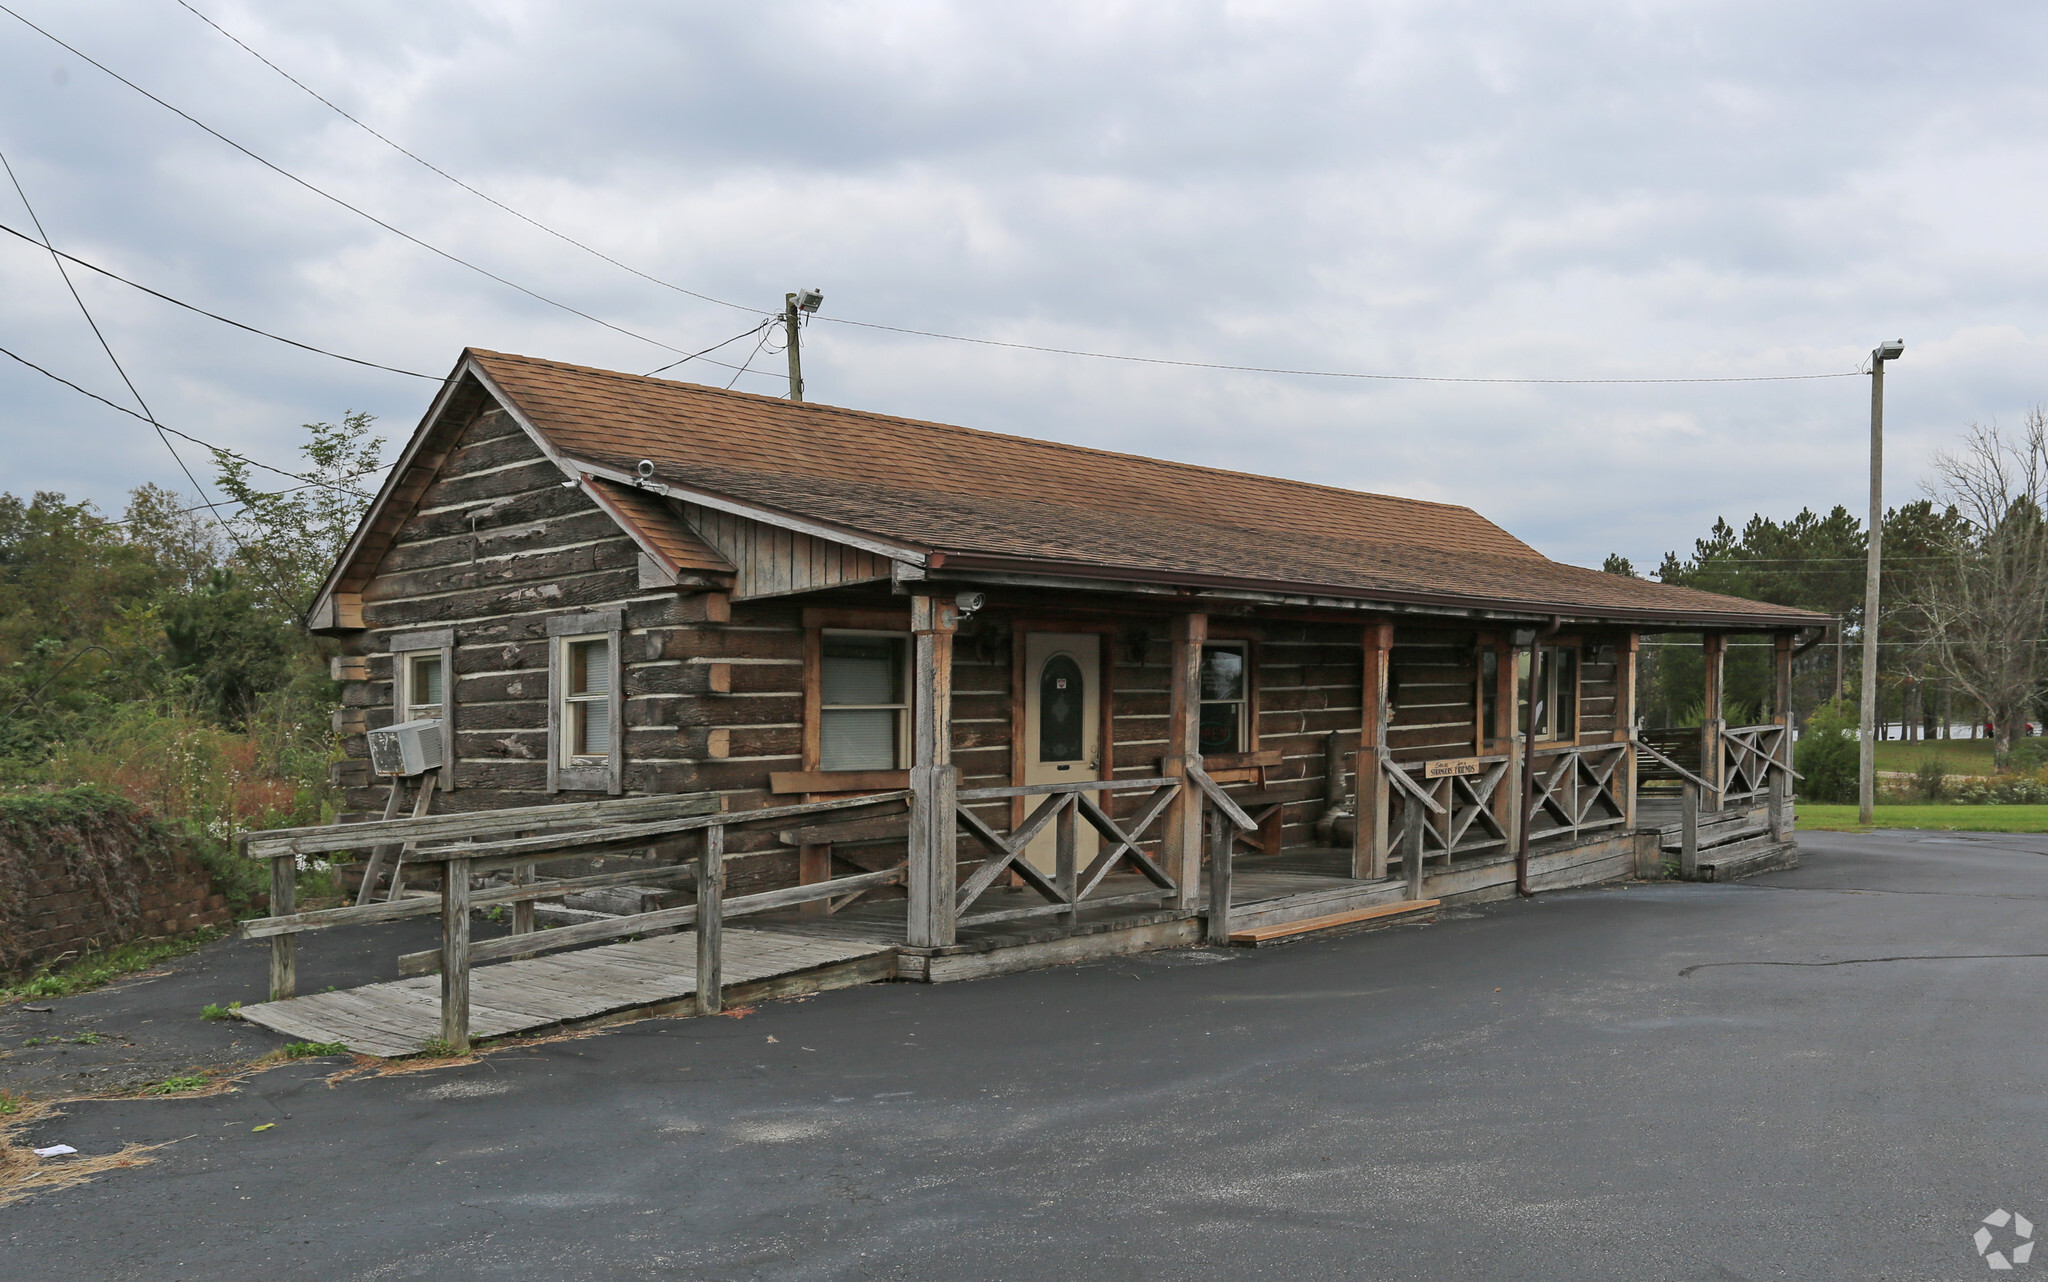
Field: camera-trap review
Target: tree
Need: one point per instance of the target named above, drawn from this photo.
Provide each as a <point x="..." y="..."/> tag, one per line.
<point x="1616" y="563"/>
<point x="1982" y="605"/>
<point x="287" y="540"/>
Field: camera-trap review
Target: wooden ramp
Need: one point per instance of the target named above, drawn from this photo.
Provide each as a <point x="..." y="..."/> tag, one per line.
<point x="520" y="996"/>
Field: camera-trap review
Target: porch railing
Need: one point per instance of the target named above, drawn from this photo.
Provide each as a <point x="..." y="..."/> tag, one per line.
<point x="470" y="846"/>
<point x="1457" y="810"/>
<point x="1577" y="790"/>
<point x="1066" y="806"/>
<point x="1748" y="756"/>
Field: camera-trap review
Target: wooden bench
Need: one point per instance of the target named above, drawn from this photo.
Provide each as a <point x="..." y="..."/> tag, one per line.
<point x="816" y="844"/>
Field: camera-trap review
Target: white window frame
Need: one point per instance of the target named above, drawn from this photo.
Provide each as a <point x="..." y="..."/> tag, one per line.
<point x="1245" y="737"/>
<point x="902" y="709"/>
<point x="407" y="648"/>
<point x="412" y="707"/>
<point x="585" y="772"/>
<point x="1546" y="728"/>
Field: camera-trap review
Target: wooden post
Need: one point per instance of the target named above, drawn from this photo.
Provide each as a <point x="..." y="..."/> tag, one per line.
<point x="1689" y="832"/>
<point x="1625" y="724"/>
<point x="1369" y="838"/>
<point x="1781" y="791"/>
<point x="1713" y="649"/>
<point x="710" y="923"/>
<point x="1221" y="840"/>
<point x="814" y="868"/>
<point x="1781" y="713"/>
<point x="1180" y="842"/>
<point x="1065" y="844"/>
<point x="284" y="893"/>
<point x="378" y="854"/>
<point x="455" y="955"/>
<point x="1513" y="806"/>
<point x="934" y="785"/>
<point x="1411" y="844"/>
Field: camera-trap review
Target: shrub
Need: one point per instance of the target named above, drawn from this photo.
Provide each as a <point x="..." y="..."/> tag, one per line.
<point x="2028" y="756"/>
<point x="1826" y="754"/>
<point x="1930" y="779"/>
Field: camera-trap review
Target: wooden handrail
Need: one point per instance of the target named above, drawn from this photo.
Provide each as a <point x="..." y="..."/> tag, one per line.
<point x="1400" y="776"/>
<point x="1679" y="770"/>
<point x="326" y="838"/>
<point x="1221" y="799"/>
<point x="529" y="849"/>
<point x="1070" y="785"/>
<point x="423" y="963"/>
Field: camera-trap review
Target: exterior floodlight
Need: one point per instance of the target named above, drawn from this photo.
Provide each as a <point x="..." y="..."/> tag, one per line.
<point x="809" y="299"/>
<point x="1886" y="351"/>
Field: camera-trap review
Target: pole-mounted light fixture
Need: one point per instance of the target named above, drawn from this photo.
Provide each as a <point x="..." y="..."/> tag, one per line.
<point x="795" y="306"/>
<point x="1866" y="747"/>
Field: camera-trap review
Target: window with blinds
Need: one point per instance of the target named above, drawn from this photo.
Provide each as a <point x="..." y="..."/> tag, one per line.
<point x="423" y="681"/>
<point x="586" y="700"/>
<point x="863" y="711"/>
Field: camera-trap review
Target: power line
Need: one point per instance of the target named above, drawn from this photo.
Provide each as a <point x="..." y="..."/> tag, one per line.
<point x="176" y="302"/>
<point x="354" y="209"/>
<point x="147" y="414"/>
<point x="958" y="338"/>
<point x="1318" y="373"/>
<point x="115" y="405"/>
<point x="430" y="165"/>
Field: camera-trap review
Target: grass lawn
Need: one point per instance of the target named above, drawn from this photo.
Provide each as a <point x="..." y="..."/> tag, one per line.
<point x="1961" y="756"/>
<point x="1944" y="818"/>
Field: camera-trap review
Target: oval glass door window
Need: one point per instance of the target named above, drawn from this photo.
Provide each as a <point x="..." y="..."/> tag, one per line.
<point x="1060" y="705"/>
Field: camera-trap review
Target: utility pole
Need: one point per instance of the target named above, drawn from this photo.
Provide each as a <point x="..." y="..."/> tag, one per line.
<point x="1866" y="738"/>
<point x="794" y="306"/>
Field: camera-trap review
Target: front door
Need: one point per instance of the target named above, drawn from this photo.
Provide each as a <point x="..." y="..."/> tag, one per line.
<point x="1062" y="727"/>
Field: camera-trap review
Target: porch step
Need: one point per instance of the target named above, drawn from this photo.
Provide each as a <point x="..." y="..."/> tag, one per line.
<point x="1279" y="932"/>
<point x="1748" y="858"/>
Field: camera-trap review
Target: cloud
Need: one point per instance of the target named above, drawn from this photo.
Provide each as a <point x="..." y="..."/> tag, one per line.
<point x="1576" y="190"/>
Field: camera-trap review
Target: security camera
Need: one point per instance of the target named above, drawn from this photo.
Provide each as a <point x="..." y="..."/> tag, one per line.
<point x="808" y="300"/>
<point x="646" y="469"/>
<point x="969" y="602"/>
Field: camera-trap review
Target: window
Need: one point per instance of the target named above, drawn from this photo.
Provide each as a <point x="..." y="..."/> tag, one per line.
<point x="586" y="700"/>
<point x="1224" y="686"/>
<point x="423" y="677"/>
<point x="863" y="708"/>
<point x="1557" y="686"/>
<point x="1489" y="693"/>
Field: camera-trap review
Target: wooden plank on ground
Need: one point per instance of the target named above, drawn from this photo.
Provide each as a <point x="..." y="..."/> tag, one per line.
<point x="1284" y="930"/>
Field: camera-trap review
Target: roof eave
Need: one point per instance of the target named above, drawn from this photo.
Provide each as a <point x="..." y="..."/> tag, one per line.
<point x="956" y="562"/>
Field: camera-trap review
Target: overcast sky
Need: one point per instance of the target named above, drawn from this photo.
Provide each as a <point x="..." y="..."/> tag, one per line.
<point x="1621" y="190"/>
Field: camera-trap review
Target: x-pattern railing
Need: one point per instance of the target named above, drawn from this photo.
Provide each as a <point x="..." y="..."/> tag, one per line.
<point x="1748" y="755"/>
<point x="1575" y="790"/>
<point x="1066" y="806"/>
<point x="1454" y="806"/>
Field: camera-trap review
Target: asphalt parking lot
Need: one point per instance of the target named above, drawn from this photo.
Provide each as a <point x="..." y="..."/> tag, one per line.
<point x="1832" y="1072"/>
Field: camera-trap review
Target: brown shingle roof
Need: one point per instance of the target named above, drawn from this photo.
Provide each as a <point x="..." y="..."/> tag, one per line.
<point x="987" y="498"/>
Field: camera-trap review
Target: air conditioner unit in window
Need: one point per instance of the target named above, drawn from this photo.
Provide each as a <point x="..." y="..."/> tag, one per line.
<point x="408" y="748"/>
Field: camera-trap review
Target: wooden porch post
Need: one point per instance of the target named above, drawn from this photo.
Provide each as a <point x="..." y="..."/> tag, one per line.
<point x="933" y="782"/>
<point x="1781" y="714"/>
<point x="284" y="957"/>
<point x="1181" y="837"/>
<point x="1625" y="723"/>
<point x="1713" y="648"/>
<point x="1369" y="836"/>
<point x="1507" y="690"/>
<point x="455" y="955"/>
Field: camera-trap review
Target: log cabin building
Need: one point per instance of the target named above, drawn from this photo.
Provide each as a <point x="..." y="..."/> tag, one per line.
<point x="607" y="585"/>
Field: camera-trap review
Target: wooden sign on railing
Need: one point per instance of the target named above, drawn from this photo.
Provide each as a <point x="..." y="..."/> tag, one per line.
<point x="1450" y="767"/>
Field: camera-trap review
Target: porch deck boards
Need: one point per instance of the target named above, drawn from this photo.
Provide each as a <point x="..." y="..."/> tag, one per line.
<point x="392" y="1019"/>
